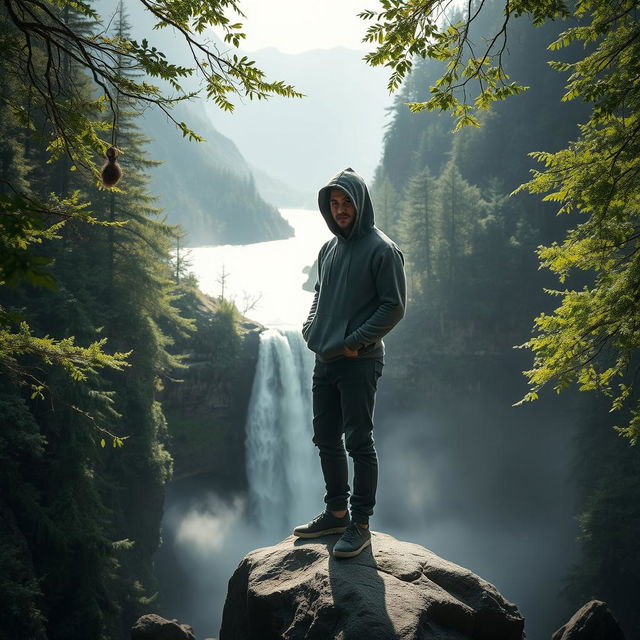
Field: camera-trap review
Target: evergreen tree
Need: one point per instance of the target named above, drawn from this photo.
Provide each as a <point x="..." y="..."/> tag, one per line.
<point x="460" y="211"/>
<point x="138" y="306"/>
<point x="606" y="470"/>
<point x="74" y="503"/>
<point x="420" y="219"/>
<point x="591" y="339"/>
<point x="386" y="203"/>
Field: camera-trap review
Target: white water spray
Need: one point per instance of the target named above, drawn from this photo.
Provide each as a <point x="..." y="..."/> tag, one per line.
<point x="283" y="469"/>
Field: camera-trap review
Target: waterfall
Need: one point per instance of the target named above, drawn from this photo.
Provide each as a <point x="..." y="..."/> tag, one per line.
<point x="283" y="469"/>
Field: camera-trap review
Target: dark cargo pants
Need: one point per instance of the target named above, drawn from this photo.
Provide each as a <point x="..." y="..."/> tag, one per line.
<point x="343" y="401"/>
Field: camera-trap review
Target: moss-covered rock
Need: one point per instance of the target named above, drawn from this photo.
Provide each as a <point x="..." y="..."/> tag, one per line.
<point x="206" y="408"/>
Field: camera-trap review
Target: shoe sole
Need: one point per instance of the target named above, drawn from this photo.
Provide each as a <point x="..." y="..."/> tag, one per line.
<point x="319" y="534"/>
<point x="350" y="554"/>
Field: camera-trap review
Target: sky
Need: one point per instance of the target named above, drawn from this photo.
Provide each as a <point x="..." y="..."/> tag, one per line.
<point x="294" y="26"/>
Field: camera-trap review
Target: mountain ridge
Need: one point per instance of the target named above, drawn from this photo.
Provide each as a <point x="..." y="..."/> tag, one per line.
<point x="208" y="187"/>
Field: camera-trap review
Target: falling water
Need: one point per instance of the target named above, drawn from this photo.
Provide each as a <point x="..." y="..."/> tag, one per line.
<point x="285" y="484"/>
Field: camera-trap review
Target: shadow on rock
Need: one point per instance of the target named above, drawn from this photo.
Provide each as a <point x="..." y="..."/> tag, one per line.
<point x="356" y="606"/>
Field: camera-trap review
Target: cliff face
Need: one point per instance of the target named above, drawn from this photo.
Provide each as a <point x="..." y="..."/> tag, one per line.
<point x="206" y="409"/>
<point x="392" y="591"/>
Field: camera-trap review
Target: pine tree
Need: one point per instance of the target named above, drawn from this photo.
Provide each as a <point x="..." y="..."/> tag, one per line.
<point x="460" y="211"/>
<point x="386" y="203"/>
<point x="140" y="313"/>
<point x="419" y="232"/>
<point x="97" y="507"/>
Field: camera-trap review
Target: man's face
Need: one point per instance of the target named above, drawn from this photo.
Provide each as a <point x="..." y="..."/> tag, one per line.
<point x="342" y="209"/>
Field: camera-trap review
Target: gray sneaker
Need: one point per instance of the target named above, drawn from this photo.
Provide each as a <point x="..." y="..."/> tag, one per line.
<point x="322" y="525"/>
<point x="352" y="541"/>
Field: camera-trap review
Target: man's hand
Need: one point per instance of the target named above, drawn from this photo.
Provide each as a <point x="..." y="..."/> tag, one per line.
<point x="350" y="353"/>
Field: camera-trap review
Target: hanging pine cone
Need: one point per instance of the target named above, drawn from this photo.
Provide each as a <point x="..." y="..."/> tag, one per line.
<point x="111" y="171"/>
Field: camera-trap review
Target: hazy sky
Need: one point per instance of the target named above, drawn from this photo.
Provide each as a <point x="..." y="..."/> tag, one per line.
<point x="293" y="26"/>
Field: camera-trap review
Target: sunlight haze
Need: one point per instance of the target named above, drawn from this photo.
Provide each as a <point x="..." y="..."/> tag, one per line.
<point x="293" y="27"/>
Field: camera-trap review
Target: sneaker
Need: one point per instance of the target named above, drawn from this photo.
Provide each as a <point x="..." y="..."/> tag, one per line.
<point x="322" y="525"/>
<point x="352" y="541"/>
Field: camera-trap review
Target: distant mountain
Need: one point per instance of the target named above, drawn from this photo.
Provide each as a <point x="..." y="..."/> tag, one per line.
<point x="302" y="143"/>
<point x="285" y="195"/>
<point x="207" y="187"/>
<point x="292" y="146"/>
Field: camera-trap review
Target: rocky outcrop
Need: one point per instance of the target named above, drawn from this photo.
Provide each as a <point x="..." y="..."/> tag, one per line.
<point x="593" y="621"/>
<point x="206" y="408"/>
<point x="154" y="627"/>
<point x="392" y="591"/>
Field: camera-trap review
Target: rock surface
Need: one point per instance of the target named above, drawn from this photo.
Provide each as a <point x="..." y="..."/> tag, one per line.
<point x="593" y="621"/>
<point x="392" y="591"/>
<point x="154" y="627"/>
<point x="206" y="409"/>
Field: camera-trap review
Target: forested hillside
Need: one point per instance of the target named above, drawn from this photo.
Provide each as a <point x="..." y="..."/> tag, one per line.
<point x="89" y="313"/>
<point x="80" y="521"/>
<point x="475" y="283"/>
<point x="207" y="188"/>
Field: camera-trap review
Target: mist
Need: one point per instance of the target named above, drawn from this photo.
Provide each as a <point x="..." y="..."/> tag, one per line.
<point x="477" y="481"/>
<point x="487" y="486"/>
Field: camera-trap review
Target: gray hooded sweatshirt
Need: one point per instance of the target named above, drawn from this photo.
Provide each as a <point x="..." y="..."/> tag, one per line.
<point x="360" y="293"/>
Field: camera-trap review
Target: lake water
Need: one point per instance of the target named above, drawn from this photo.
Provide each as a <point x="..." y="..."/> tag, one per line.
<point x="270" y="271"/>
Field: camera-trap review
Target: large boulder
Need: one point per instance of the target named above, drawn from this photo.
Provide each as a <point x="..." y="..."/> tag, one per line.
<point x="392" y="591"/>
<point x="593" y="621"/>
<point x="154" y="627"/>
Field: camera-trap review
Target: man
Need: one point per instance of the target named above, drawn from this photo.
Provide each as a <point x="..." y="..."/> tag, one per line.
<point x="360" y="296"/>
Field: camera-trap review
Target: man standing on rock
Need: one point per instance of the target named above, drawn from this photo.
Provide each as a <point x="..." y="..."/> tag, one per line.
<point x="360" y="296"/>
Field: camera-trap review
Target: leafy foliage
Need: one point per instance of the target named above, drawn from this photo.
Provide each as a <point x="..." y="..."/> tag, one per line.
<point x="25" y="223"/>
<point x="408" y="29"/>
<point x="44" y="43"/>
<point x="592" y="338"/>
<point x="463" y="336"/>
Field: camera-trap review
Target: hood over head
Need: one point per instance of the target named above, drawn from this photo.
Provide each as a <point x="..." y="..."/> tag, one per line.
<point x="354" y="185"/>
